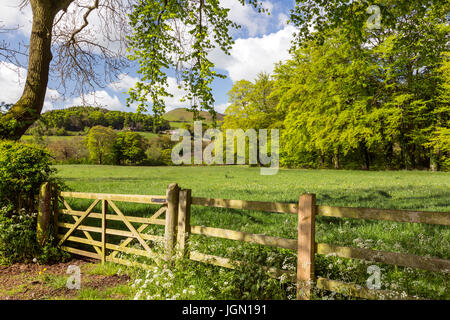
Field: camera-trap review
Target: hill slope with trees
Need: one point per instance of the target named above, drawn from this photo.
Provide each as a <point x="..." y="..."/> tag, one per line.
<point x="83" y="118"/>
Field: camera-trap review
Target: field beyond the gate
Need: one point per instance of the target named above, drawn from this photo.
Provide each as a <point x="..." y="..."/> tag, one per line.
<point x="411" y="190"/>
<point x="416" y="190"/>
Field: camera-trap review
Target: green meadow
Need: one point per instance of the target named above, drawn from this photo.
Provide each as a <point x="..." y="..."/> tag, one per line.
<point x="414" y="190"/>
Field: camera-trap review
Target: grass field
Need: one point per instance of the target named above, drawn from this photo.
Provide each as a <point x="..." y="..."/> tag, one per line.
<point x="385" y="189"/>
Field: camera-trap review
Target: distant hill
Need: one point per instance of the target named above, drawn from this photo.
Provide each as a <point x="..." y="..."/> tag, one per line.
<point x="181" y="115"/>
<point x="81" y="118"/>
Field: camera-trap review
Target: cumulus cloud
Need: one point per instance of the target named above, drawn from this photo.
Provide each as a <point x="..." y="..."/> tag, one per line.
<point x="100" y="98"/>
<point x="282" y="20"/>
<point x="12" y="82"/>
<point x="178" y="93"/>
<point x="250" y="56"/>
<point x="254" y="22"/>
<point x="221" y="107"/>
<point x="12" y="17"/>
<point x="125" y="82"/>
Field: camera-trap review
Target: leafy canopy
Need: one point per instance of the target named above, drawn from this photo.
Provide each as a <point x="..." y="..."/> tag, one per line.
<point x="177" y="35"/>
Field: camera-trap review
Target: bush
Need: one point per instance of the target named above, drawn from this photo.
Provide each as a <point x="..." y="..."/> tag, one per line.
<point x="23" y="169"/>
<point x="17" y="237"/>
<point x="18" y="240"/>
<point x="71" y="150"/>
<point x="159" y="151"/>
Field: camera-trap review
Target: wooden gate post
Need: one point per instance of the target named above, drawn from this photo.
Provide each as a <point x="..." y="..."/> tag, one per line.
<point x="104" y="212"/>
<point x="44" y="213"/>
<point x="184" y="220"/>
<point x="55" y="208"/>
<point x="172" y="195"/>
<point x="306" y="245"/>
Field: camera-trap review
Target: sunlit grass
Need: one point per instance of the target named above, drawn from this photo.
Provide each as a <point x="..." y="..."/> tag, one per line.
<point x="415" y="190"/>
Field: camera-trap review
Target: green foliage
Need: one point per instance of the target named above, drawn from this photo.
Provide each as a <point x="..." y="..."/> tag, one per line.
<point x="100" y="142"/>
<point x="18" y="240"/>
<point x="17" y="237"/>
<point x="159" y="151"/>
<point x="23" y="168"/>
<point x="439" y="135"/>
<point x="78" y="119"/>
<point x="157" y="45"/>
<point x="72" y="150"/>
<point x="353" y="96"/>
<point x="252" y="105"/>
<point x="129" y="147"/>
<point x="252" y="280"/>
<point x="353" y="17"/>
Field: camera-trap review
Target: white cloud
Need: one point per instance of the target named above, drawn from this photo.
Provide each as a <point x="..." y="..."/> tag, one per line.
<point x="250" y="56"/>
<point x="99" y="98"/>
<point x="221" y="107"/>
<point x="247" y="16"/>
<point x="103" y="24"/>
<point x="12" y="82"/>
<point x="124" y="83"/>
<point x="178" y="93"/>
<point x="282" y="20"/>
<point x="12" y="17"/>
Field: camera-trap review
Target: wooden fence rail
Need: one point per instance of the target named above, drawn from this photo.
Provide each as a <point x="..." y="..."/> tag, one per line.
<point x="176" y="205"/>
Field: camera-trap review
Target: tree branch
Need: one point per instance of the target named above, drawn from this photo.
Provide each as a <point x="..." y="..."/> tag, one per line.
<point x="85" y="24"/>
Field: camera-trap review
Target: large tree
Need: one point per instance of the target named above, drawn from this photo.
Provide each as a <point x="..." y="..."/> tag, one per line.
<point x="373" y="91"/>
<point x="61" y="45"/>
<point x="167" y="33"/>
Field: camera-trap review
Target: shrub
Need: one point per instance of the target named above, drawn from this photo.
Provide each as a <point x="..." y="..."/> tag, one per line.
<point x="18" y="240"/>
<point x="17" y="237"/>
<point x="23" y="169"/>
<point x="71" y="150"/>
<point x="159" y="151"/>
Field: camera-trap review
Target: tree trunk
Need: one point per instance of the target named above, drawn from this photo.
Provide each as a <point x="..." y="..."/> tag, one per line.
<point x="28" y="109"/>
<point x="434" y="160"/>
<point x="336" y="159"/>
<point x="365" y="156"/>
<point x="389" y="151"/>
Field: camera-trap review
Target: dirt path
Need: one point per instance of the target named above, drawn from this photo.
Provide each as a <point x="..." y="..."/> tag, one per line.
<point x="34" y="281"/>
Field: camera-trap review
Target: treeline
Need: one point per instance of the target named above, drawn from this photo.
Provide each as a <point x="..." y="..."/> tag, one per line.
<point x="104" y="145"/>
<point x="81" y="119"/>
<point x="377" y="100"/>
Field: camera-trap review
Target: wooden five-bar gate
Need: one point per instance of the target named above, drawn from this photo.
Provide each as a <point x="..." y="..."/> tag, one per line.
<point x="176" y="205"/>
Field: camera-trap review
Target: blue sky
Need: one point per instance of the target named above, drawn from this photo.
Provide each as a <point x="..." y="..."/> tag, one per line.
<point x="262" y="41"/>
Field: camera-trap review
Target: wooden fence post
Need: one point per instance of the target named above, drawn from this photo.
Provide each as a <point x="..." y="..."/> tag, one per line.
<point x="104" y="212"/>
<point x="44" y="213"/>
<point x="172" y="195"/>
<point x="306" y="245"/>
<point x="184" y="220"/>
<point x="55" y="208"/>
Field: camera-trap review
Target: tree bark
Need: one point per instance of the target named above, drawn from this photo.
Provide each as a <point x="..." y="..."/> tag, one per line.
<point x="28" y="109"/>
<point x="434" y="160"/>
<point x="336" y="159"/>
<point x="365" y="156"/>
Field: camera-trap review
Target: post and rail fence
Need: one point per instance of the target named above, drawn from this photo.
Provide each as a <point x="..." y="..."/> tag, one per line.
<point x="176" y="205"/>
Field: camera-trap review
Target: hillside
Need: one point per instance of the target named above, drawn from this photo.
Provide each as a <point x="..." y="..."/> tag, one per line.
<point x="181" y="115"/>
<point x="82" y="118"/>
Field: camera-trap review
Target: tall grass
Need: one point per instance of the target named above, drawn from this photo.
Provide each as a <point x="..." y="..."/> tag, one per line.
<point x="417" y="190"/>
